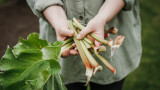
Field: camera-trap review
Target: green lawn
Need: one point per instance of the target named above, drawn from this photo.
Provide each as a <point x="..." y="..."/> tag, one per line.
<point x="147" y="76"/>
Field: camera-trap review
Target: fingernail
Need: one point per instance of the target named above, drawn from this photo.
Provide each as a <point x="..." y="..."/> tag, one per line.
<point x="79" y="36"/>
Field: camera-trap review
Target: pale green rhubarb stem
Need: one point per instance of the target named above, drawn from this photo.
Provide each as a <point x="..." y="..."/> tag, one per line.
<point x="86" y="44"/>
<point x="92" y="61"/>
<point x="86" y="39"/>
<point x="80" y="26"/>
<point x="109" y="43"/>
<point x="90" y="38"/>
<point x="106" y="63"/>
<point x="67" y="41"/>
<point x="89" y="70"/>
<point x="98" y="49"/>
<point x="66" y="47"/>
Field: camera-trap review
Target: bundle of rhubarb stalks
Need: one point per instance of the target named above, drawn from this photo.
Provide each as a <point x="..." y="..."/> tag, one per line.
<point x="86" y="47"/>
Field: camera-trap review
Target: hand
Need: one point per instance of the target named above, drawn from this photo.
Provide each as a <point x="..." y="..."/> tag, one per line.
<point x="57" y="18"/>
<point x="96" y="26"/>
<point x="62" y="33"/>
<point x="108" y="10"/>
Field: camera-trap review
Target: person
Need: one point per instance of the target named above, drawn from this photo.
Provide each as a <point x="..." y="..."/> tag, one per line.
<point x="97" y="15"/>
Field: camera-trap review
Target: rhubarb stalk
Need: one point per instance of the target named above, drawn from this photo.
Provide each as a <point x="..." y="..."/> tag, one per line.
<point x="85" y="38"/>
<point x="66" y="47"/>
<point x="89" y="70"/>
<point x="85" y="60"/>
<point x="67" y="41"/>
<point x="86" y="44"/>
<point x="92" y="61"/>
<point x="80" y="26"/>
<point x="106" y="63"/>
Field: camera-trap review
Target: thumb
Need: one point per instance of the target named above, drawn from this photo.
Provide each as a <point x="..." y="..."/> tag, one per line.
<point x="83" y="33"/>
<point x="67" y="32"/>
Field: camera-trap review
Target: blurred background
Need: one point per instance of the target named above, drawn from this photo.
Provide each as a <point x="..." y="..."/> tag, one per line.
<point x="17" y="20"/>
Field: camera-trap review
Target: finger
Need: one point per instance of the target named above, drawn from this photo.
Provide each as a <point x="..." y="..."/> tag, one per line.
<point x="74" y="45"/>
<point x="68" y="32"/>
<point x="76" y="48"/>
<point x="73" y="52"/>
<point x="100" y="34"/>
<point x="66" y="53"/>
<point x="77" y="52"/>
<point x="97" y="43"/>
<point x="84" y="32"/>
<point x="61" y="38"/>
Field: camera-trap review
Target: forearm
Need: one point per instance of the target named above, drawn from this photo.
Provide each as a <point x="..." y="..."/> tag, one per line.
<point x="56" y="16"/>
<point x="109" y="9"/>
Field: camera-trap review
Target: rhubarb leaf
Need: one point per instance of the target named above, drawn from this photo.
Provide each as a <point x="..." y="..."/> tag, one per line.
<point x="57" y="82"/>
<point x="30" y="64"/>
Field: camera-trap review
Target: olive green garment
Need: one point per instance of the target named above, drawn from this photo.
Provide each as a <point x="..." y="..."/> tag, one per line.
<point x="126" y="58"/>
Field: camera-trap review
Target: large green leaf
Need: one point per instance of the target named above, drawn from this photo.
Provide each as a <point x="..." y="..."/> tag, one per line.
<point x="58" y="82"/>
<point x="55" y="83"/>
<point x="30" y="64"/>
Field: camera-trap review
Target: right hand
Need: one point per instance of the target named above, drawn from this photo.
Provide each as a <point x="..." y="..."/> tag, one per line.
<point x="62" y="33"/>
<point x="57" y="18"/>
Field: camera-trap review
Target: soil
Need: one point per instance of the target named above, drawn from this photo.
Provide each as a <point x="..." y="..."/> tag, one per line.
<point x="16" y="20"/>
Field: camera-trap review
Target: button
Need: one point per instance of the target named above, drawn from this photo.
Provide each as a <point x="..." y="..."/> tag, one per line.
<point x="80" y="17"/>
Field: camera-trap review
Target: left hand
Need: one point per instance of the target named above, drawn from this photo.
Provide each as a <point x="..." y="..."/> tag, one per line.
<point x="96" y="26"/>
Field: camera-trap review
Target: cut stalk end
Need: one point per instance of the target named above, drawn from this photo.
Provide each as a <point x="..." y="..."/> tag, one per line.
<point x="106" y="63"/>
<point x="99" y="49"/>
<point x="114" y="71"/>
<point x="89" y="73"/>
<point x="102" y="49"/>
<point x="117" y="43"/>
<point x="98" y="68"/>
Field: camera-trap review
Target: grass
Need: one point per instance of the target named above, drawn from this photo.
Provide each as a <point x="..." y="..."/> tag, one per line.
<point x="147" y="76"/>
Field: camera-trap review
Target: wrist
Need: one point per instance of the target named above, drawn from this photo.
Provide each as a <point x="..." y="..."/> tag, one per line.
<point x="59" y="23"/>
<point x="60" y="28"/>
<point x="100" y="19"/>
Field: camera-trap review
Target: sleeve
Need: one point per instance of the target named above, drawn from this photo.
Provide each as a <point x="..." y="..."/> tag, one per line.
<point x="128" y="5"/>
<point x="37" y="6"/>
